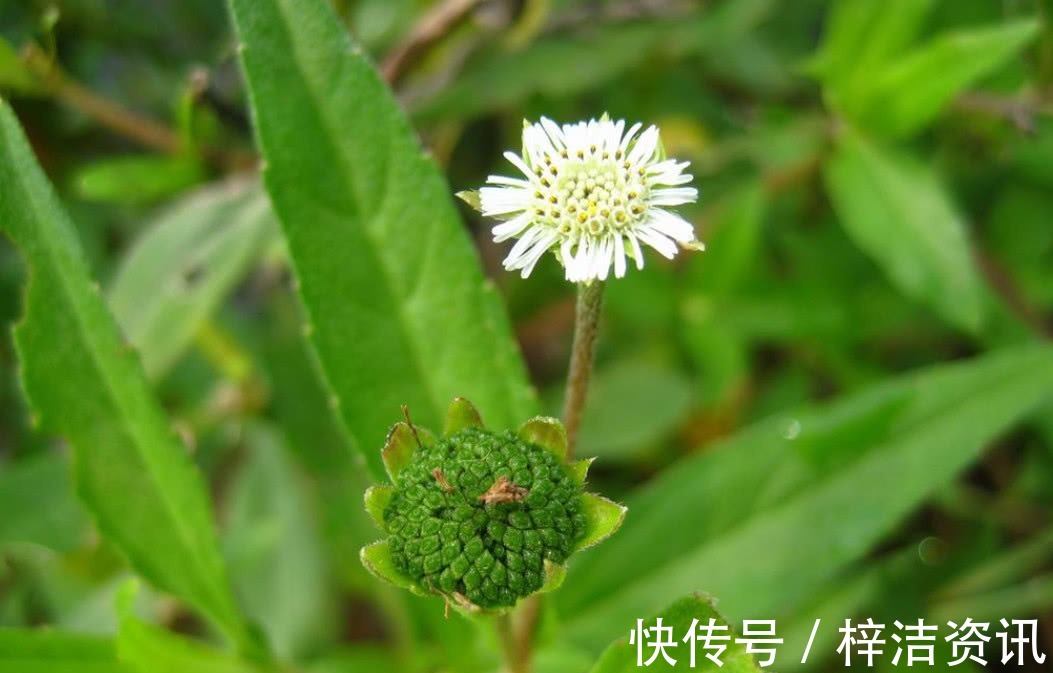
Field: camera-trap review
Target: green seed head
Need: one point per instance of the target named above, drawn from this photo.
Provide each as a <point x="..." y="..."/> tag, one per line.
<point x="479" y="512"/>
<point x="482" y="518"/>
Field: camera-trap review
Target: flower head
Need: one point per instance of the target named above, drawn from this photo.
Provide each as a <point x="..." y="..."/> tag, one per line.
<point x="480" y="517"/>
<point x="591" y="192"/>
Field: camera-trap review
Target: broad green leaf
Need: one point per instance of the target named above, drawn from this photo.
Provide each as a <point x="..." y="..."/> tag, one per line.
<point x="766" y="519"/>
<point x="137" y="180"/>
<point x="37" y="504"/>
<point x="274" y="549"/>
<point x="184" y="265"/>
<point x="859" y="38"/>
<point x="557" y="657"/>
<point x="48" y="651"/>
<point x="631" y="407"/>
<point x="360" y="656"/>
<point x="1030" y="597"/>
<point x="1013" y="565"/>
<point x="85" y="384"/>
<point x="398" y="310"/>
<point x="145" y="648"/>
<point x="623" y="657"/>
<point x="733" y="241"/>
<point x="896" y="211"/>
<point x="911" y="92"/>
<point x="569" y="63"/>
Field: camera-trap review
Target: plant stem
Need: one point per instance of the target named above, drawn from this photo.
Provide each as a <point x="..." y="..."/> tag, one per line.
<point x="586" y="328"/>
<point x="514" y="656"/>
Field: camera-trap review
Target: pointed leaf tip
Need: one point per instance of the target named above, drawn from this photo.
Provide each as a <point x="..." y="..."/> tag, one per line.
<point x="377" y="560"/>
<point x="471" y="197"/>
<point x="462" y="414"/>
<point x="546" y="432"/>
<point x="603" y="519"/>
<point x="377" y="499"/>
<point x="402" y="442"/>
<point x="579" y="470"/>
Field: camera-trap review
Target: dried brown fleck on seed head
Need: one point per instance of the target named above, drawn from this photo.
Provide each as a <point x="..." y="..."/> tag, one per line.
<point x="503" y="490"/>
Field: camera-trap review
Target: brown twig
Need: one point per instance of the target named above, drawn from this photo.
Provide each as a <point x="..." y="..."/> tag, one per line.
<point x="1002" y="283"/>
<point x="141" y="129"/>
<point x="1018" y="110"/>
<point x="432" y="27"/>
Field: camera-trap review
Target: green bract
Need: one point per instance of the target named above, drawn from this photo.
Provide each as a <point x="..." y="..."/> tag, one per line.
<point x="481" y="517"/>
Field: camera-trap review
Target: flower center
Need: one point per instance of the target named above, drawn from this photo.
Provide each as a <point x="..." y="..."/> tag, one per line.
<point x="592" y="197"/>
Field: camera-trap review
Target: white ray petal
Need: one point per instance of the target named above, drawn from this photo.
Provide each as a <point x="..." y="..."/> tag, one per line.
<point x="619" y="256"/>
<point x="671" y="225"/>
<point x="627" y="138"/>
<point x="513" y="227"/>
<point x="554" y="133"/>
<point x="665" y="247"/>
<point x="509" y="182"/>
<point x="538" y="251"/>
<point x="637" y="253"/>
<point x="673" y="196"/>
<point x="644" y="148"/>
<point x="521" y="246"/>
<point x="518" y="162"/>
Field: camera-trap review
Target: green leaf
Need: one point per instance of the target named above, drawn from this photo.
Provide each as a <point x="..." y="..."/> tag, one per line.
<point x="37" y="504"/>
<point x="461" y="414"/>
<point x="48" y="651"/>
<point x="622" y="657"/>
<point x="1013" y="565"/>
<point x="184" y="265"/>
<point x="555" y="573"/>
<point x="579" y="470"/>
<point x="398" y="309"/>
<point x="360" y="656"/>
<point x="402" y="442"/>
<point x="860" y="37"/>
<point x="377" y="560"/>
<point x="582" y="60"/>
<point x="145" y="648"/>
<point x="274" y="549"/>
<point x="603" y="519"/>
<point x="14" y="74"/>
<point x="314" y="435"/>
<point x="137" y="180"/>
<point x="377" y="499"/>
<point x="910" y="93"/>
<point x="547" y="433"/>
<point x="85" y="384"/>
<point x="631" y="407"/>
<point x="895" y="210"/>
<point x="733" y="241"/>
<point x="778" y="510"/>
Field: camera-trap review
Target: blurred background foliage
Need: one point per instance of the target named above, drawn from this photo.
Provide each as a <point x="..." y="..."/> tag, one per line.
<point x="877" y="190"/>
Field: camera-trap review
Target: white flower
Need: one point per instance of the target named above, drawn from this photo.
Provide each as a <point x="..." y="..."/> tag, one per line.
<point x="592" y="192"/>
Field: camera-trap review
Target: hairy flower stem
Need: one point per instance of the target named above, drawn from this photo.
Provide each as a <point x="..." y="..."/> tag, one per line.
<point x="586" y="329"/>
<point x="517" y="659"/>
